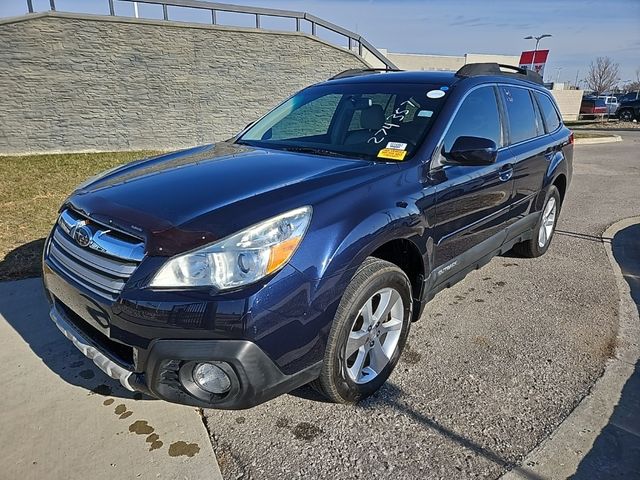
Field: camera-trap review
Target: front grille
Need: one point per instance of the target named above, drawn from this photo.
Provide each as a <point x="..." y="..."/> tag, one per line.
<point x="103" y="264"/>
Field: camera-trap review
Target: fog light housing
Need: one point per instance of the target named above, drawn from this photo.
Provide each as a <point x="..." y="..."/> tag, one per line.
<point x="211" y="378"/>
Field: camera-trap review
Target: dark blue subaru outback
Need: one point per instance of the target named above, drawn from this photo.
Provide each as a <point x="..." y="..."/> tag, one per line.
<point x="302" y="249"/>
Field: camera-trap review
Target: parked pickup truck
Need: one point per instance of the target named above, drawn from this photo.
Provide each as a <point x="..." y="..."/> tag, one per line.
<point x="301" y="250"/>
<point x="629" y="110"/>
<point x="593" y="107"/>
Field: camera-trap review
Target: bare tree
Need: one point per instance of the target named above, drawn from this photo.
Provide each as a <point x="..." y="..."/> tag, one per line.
<point x="603" y="75"/>
<point x="635" y="85"/>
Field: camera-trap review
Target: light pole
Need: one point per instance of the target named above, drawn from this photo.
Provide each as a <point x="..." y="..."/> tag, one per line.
<point x="537" y="39"/>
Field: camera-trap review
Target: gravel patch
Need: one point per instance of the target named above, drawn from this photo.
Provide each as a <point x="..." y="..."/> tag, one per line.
<point x="606" y="125"/>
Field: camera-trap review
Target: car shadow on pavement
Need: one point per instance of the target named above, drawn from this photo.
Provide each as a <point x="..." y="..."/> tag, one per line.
<point x="616" y="451"/>
<point x="23" y="306"/>
<point x="583" y="236"/>
<point x="23" y="261"/>
<point x="390" y="395"/>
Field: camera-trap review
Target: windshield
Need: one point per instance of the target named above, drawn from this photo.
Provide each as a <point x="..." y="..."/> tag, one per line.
<point x="376" y="121"/>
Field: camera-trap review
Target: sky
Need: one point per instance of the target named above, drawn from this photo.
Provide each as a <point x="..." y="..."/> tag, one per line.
<point x="581" y="29"/>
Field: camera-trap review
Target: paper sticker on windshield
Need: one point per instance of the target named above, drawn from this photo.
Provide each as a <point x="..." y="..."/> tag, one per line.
<point x="392" y="154"/>
<point x="425" y="113"/>
<point x="435" y="94"/>
<point x="397" y="145"/>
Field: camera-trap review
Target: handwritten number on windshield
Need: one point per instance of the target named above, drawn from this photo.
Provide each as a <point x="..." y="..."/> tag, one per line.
<point x="397" y="117"/>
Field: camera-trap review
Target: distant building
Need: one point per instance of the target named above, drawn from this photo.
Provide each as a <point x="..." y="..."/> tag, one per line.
<point x="414" y="61"/>
<point x="568" y="99"/>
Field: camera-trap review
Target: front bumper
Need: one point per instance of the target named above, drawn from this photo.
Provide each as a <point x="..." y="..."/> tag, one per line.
<point x="90" y="350"/>
<point x="254" y="377"/>
<point x="268" y="337"/>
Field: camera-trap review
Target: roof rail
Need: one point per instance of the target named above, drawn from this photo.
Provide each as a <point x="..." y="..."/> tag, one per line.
<point x="356" y="72"/>
<point x="476" y="69"/>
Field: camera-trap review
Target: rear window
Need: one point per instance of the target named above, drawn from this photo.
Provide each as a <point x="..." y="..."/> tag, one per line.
<point x="549" y="113"/>
<point x="522" y="119"/>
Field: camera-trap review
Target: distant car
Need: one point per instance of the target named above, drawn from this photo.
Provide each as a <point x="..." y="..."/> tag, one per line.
<point x="629" y="110"/>
<point x="593" y="107"/>
<point x="611" y="103"/>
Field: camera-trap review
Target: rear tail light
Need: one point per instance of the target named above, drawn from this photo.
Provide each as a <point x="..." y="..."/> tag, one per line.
<point x="571" y="138"/>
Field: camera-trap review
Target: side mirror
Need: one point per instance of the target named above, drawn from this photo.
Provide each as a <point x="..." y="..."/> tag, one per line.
<point x="472" y="151"/>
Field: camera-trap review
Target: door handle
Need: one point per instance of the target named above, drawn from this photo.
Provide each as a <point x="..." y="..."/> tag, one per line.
<point x="506" y="172"/>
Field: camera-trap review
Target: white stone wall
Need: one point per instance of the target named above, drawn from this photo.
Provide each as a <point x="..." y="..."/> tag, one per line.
<point x="569" y="103"/>
<point x="71" y="82"/>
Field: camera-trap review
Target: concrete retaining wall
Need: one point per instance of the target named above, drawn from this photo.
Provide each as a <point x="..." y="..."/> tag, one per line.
<point x="72" y="82"/>
<point x="569" y="103"/>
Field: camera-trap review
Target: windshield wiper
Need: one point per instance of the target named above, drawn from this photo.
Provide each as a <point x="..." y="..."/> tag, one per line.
<point x="320" y="151"/>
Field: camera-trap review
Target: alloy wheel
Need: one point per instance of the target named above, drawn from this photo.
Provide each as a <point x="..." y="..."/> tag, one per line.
<point x="374" y="335"/>
<point x="548" y="222"/>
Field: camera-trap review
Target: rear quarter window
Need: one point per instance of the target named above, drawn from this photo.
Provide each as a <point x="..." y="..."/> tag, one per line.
<point x="549" y="112"/>
<point x="520" y="113"/>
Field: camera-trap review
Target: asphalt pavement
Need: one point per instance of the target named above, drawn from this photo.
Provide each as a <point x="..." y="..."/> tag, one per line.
<point x="494" y="366"/>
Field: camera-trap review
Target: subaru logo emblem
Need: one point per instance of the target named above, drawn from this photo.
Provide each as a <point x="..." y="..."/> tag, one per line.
<point x="82" y="235"/>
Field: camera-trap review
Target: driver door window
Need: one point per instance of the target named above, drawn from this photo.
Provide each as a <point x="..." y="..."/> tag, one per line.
<point x="478" y="116"/>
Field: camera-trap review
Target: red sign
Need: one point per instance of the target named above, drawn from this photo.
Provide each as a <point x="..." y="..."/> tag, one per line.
<point x="534" y="60"/>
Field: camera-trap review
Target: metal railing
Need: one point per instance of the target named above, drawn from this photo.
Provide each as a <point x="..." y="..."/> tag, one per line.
<point x="353" y="39"/>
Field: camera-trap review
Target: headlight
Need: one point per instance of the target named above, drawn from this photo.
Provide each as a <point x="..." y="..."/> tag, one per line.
<point x="240" y="259"/>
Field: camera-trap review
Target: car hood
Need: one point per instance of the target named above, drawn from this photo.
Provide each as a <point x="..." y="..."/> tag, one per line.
<point x="182" y="200"/>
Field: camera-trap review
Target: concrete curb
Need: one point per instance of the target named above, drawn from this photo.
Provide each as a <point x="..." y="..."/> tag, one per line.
<point x="596" y="140"/>
<point x="560" y="454"/>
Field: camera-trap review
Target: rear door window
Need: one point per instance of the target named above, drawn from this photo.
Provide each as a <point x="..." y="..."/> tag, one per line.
<point x="549" y="113"/>
<point x="539" y="121"/>
<point x="520" y="112"/>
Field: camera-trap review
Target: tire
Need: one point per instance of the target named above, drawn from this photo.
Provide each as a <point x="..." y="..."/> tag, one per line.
<point x="539" y="244"/>
<point x="349" y="379"/>
<point x="626" y="115"/>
